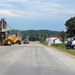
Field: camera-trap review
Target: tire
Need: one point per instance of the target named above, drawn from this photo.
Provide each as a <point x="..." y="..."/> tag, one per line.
<point x="9" y="42"/>
<point x="73" y="47"/>
<point x="18" y="42"/>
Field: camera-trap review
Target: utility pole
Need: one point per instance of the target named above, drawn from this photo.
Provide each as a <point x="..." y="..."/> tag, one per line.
<point x="0" y="33"/>
<point x="2" y="29"/>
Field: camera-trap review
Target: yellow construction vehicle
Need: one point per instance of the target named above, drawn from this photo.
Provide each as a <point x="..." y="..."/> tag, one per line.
<point x="8" y="39"/>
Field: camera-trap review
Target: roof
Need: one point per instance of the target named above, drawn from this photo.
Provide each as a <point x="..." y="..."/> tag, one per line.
<point x="54" y="36"/>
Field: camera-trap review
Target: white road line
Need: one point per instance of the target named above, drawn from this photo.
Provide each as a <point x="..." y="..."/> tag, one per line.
<point x="59" y="58"/>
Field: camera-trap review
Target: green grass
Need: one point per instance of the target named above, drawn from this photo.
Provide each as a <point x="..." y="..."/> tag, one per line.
<point x="61" y="47"/>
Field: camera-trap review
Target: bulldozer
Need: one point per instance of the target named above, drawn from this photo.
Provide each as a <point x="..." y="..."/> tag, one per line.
<point x="7" y="39"/>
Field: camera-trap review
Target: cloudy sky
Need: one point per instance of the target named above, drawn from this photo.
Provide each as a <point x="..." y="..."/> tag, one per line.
<point x="37" y="14"/>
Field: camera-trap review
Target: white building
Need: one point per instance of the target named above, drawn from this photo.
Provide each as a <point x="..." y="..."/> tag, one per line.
<point x="53" y="40"/>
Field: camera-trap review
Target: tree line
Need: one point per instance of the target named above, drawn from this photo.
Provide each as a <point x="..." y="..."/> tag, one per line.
<point x="38" y="35"/>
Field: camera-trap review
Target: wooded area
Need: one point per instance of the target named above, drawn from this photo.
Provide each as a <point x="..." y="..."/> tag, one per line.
<point x="36" y="35"/>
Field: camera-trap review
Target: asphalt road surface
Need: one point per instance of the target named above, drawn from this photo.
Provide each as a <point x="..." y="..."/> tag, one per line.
<point x="34" y="59"/>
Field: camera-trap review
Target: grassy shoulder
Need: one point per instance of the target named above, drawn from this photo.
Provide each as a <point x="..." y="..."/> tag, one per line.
<point x="61" y="47"/>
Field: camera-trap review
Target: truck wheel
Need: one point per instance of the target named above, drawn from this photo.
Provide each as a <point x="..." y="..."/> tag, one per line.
<point x="73" y="47"/>
<point x="18" y="42"/>
<point x="9" y="42"/>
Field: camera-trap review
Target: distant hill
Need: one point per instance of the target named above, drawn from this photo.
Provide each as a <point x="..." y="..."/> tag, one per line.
<point x="42" y="32"/>
<point x="37" y="34"/>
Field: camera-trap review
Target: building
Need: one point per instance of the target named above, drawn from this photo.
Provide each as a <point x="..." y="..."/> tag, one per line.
<point x="53" y="40"/>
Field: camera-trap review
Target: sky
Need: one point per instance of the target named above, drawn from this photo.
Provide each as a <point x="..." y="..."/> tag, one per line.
<point x="37" y="14"/>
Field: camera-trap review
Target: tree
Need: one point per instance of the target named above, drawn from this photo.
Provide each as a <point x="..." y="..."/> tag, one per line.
<point x="42" y="39"/>
<point x="63" y="36"/>
<point x="70" y="26"/>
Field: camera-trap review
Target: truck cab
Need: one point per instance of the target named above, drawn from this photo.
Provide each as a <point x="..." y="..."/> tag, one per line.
<point x="70" y="43"/>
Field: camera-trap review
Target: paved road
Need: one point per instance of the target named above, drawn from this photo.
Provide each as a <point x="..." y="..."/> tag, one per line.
<point x="34" y="59"/>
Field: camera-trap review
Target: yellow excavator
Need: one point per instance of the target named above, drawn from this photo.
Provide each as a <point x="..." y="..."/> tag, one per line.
<point x="8" y="40"/>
